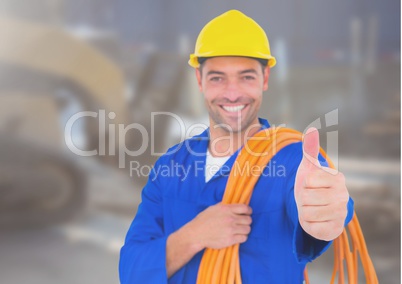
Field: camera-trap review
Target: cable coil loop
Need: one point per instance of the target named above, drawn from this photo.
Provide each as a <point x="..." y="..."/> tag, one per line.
<point x="222" y="266"/>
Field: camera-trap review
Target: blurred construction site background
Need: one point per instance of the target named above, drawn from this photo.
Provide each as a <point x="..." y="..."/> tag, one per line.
<point x="80" y="79"/>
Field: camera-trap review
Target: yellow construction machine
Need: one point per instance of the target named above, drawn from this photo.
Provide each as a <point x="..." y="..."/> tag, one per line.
<point x="40" y="181"/>
<point x="44" y="70"/>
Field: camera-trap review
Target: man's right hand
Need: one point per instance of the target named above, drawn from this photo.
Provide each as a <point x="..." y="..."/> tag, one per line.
<point x="222" y="225"/>
<point x="217" y="227"/>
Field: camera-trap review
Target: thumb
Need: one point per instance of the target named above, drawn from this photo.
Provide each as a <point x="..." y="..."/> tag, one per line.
<point x="311" y="148"/>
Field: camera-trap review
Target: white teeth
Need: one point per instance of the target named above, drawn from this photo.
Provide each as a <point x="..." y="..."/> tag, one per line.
<point x="233" y="108"/>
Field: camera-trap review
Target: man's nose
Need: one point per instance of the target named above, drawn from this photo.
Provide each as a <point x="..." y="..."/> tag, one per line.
<point x="232" y="91"/>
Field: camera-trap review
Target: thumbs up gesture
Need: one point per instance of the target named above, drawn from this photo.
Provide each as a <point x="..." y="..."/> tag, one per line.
<point x="320" y="193"/>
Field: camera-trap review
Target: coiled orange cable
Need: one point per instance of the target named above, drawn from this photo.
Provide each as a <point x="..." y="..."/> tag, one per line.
<point x="222" y="266"/>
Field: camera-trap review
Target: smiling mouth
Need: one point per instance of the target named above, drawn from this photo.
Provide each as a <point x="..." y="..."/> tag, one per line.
<point x="233" y="108"/>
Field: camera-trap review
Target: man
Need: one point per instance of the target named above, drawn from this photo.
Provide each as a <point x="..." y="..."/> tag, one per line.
<point x="293" y="215"/>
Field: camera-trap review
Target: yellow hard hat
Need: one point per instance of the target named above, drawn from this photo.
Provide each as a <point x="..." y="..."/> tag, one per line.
<point x="232" y="34"/>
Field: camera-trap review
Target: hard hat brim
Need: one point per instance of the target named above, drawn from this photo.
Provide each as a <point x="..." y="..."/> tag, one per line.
<point x="193" y="61"/>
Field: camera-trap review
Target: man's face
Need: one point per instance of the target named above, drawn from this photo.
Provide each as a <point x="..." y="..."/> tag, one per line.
<point x="232" y="88"/>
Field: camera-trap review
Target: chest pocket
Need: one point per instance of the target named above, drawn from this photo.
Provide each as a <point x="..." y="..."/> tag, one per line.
<point x="268" y="207"/>
<point x="179" y="212"/>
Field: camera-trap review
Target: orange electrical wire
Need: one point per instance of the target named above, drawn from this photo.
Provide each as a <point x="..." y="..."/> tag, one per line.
<point x="222" y="266"/>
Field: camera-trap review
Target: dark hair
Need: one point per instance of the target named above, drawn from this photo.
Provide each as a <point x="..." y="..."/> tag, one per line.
<point x="263" y="62"/>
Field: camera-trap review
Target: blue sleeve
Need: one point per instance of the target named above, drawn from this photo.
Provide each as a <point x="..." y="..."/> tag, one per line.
<point x="143" y="256"/>
<point x="305" y="247"/>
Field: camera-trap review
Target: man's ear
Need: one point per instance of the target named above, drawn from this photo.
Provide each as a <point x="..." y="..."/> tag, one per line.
<point x="266" y="78"/>
<point x="199" y="77"/>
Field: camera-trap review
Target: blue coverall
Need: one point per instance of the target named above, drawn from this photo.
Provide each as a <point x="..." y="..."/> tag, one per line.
<point x="277" y="248"/>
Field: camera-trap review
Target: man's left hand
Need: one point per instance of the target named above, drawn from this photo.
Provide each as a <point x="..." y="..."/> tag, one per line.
<point x="320" y="192"/>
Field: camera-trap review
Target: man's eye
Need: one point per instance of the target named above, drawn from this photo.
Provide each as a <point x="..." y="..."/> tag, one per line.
<point x="248" y="77"/>
<point x="216" y="79"/>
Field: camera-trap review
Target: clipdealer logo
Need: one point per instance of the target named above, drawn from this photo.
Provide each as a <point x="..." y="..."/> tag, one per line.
<point x="120" y="131"/>
<point x="331" y="146"/>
